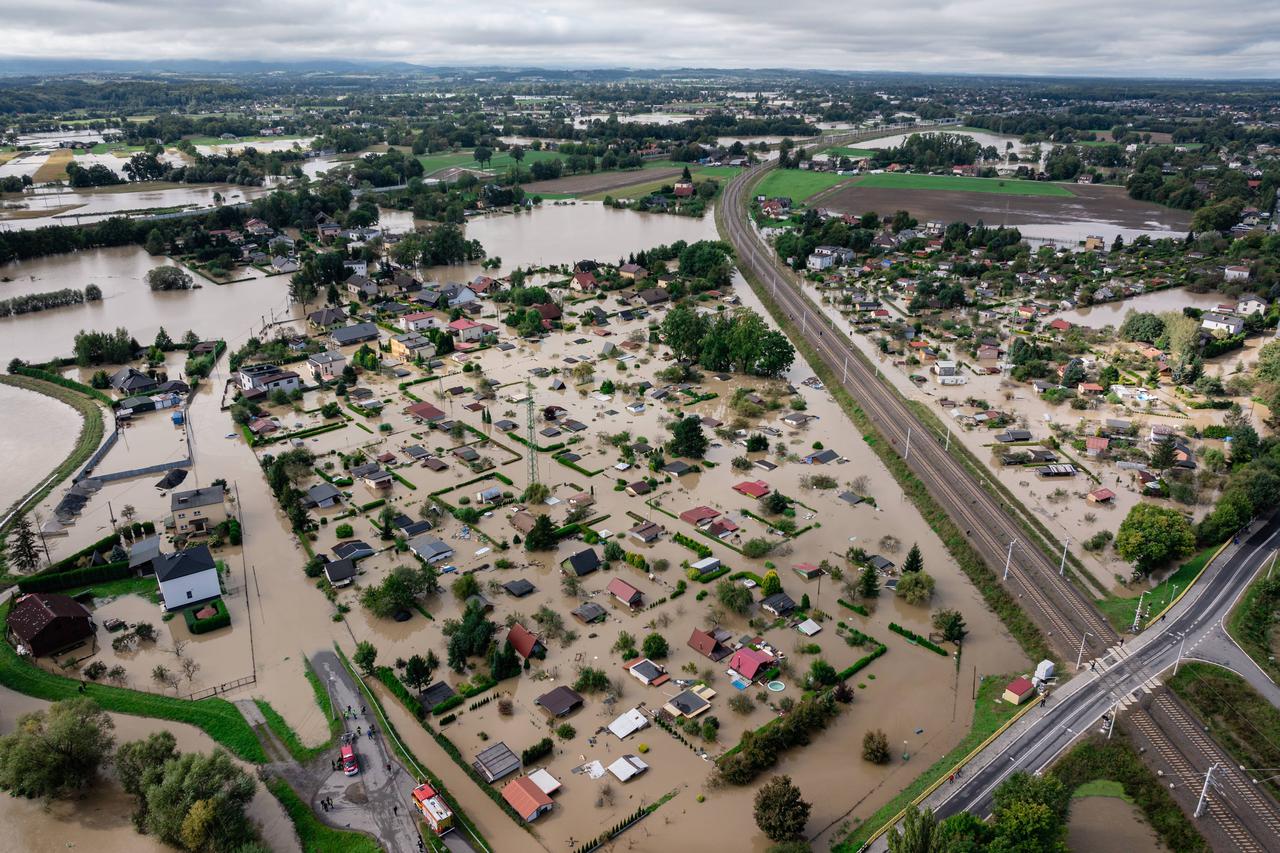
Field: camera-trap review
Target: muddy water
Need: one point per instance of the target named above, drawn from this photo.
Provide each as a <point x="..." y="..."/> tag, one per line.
<point x="91" y="205"/>
<point x="100" y="821"/>
<point x="565" y="233"/>
<point x="211" y="310"/>
<point x="1113" y="313"/>
<point x="289" y="617"/>
<point x="984" y="139"/>
<point x="1109" y="825"/>
<point x="931" y="686"/>
<point x="29" y="420"/>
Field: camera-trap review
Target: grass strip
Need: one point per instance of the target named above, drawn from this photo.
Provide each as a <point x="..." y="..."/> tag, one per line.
<point x="1253" y="624"/>
<point x="287" y="736"/>
<point x="322" y="699"/>
<point x="1238" y="717"/>
<point x="1119" y="610"/>
<point x="217" y="718"/>
<point x="314" y="836"/>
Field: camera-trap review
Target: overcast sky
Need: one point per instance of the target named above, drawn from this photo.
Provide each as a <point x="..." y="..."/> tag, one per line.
<point x="1179" y="38"/>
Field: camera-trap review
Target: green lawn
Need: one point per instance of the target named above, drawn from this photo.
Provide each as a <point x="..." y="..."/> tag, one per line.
<point x="796" y="184"/>
<point x="1102" y="788"/>
<point x="856" y="153"/>
<point x="956" y="183"/>
<point x="1120" y="610"/>
<point x="989" y="714"/>
<point x="218" y="718"/>
<point x="432" y="163"/>
<point x="1253" y="625"/>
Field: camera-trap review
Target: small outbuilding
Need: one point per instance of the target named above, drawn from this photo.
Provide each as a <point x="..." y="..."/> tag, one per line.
<point x="559" y="701"/>
<point x="1019" y="690"/>
<point x="46" y="623"/>
<point x="528" y="800"/>
<point x="496" y="761"/>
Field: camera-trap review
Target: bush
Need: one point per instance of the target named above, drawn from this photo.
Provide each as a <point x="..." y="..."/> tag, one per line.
<point x="344" y="531"/>
<point x="565" y="731"/>
<point x="220" y="619"/>
<point x="875" y="747"/>
<point x="538" y="751"/>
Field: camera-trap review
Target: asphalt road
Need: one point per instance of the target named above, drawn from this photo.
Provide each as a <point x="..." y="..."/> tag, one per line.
<point x="974" y="504"/>
<point x="1125" y="677"/>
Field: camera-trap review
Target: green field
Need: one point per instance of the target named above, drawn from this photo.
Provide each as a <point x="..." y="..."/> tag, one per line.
<point x="432" y="163"/>
<point x="1119" y="610"/>
<point x="797" y="185"/>
<point x="955" y="183"/>
<point x="856" y="153"/>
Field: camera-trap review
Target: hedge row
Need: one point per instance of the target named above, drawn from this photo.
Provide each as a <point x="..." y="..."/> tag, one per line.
<point x="70" y="562"/>
<point x="856" y="608"/>
<point x="71" y="384"/>
<point x="480" y="684"/>
<point x="861" y="662"/>
<point x="76" y="577"/>
<point x="692" y="544"/>
<point x="220" y="619"/>
<point x="917" y="639"/>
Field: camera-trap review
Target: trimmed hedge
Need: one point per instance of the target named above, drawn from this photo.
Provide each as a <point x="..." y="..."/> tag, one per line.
<point x="862" y="662"/>
<point x="917" y="639"/>
<point x="221" y="619"/>
<point x="70" y="562"/>
<point x="856" y="608"/>
<point x="692" y="544"/>
<point x="70" y="384"/>
<point x="87" y="576"/>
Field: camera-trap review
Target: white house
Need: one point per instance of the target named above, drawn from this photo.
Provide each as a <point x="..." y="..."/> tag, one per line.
<point x="467" y="330"/>
<point x="326" y="365"/>
<point x="419" y="320"/>
<point x="1235" y="273"/>
<point x="187" y="578"/>
<point x="268" y="377"/>
<point x="1222" y="323"/>
<point x="1251" y="305"/>
<point x="819" y="262"/>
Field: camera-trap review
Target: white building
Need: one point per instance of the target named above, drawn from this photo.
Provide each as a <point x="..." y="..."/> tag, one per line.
<point x="187" y="578"/>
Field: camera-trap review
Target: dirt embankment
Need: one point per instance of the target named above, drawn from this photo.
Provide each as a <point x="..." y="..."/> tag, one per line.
<point x="1102" y="204"/>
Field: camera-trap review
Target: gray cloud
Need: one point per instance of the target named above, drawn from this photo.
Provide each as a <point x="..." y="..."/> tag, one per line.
<point x="1183" y="38"/>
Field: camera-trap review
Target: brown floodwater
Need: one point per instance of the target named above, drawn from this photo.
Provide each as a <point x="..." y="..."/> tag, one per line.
<point x="1113" y="313"/>
<point x="1109" y="825"/>
<point x="227" y="310"/>
<point x="30" y="421"/>
<point x="99" y="820"/>
<point x="92" y="205"/>
<point x="289" y="617"/>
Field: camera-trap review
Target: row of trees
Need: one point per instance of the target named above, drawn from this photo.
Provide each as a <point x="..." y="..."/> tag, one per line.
<point x="31" y="302"/>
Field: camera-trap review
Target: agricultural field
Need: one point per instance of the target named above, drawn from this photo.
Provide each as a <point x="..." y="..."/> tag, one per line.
<point x="955" y="183"/>
<point x="798" y="185"/>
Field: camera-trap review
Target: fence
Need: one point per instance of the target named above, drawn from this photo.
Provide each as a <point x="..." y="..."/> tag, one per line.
<point x="97" y="456"/>
<point x="223" y="688"/>
<point x="140" y="472"/>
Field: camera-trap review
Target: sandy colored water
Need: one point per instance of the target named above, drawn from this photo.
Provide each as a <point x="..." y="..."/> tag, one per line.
<point x="1109" y="825"/>
<point x="100" y="820"/>
<point x="28" y="421"/>
<point x="289" y="617"/>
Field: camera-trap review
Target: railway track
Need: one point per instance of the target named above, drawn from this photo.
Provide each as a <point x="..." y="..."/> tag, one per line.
<point x="972" y="502"/>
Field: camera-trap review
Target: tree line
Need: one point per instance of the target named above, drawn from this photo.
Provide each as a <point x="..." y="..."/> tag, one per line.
<point x="31" y="302"/>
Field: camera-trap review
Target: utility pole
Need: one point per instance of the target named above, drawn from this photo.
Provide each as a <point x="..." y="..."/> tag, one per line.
<point x="947" y="447"/>
<point x="845" y="378"/>
<point x="1115" y="709"/>
<point x="1062" y="567"/>
<point x="1008" y="559"/>
<point x="1137" y="614"/>
<point x="40" y="533"/>
<point x="529" y="434"/>
<point x="1204" y="791"/>
<point x="1178" y="662"/>
<point x="906" y="456"/>
<point x="112" y="514"/>
<point x="1080" y="656"/>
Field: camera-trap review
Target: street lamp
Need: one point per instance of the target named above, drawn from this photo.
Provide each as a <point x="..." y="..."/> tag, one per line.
<point x="1009" y="558"/>
<point x="1080" y="656"/>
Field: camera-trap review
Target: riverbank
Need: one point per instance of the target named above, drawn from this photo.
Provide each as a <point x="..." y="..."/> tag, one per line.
<point x="90" y="437"/>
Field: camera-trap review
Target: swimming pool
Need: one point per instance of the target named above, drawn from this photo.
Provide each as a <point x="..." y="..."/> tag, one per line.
<point x="740" y="682"/>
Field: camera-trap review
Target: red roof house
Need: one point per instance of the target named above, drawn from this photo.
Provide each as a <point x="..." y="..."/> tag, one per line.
<point x="525" y="642"/>
<point x="425" y="412"/>
<point x="1101" y="496"/>
<point x="584" y="281"/>
<point x="625" y="592"/>
<point x="699" y="515"/>
<point x="1019" y="690"/>
<point x="752" y="488"/>
<point x="750" y="663"/>
<point x="529" y="801"/>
